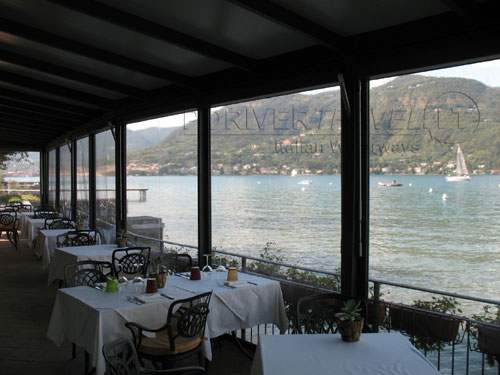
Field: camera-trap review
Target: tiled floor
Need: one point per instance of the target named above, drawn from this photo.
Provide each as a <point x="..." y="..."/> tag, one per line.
<point x="25" y="309"/>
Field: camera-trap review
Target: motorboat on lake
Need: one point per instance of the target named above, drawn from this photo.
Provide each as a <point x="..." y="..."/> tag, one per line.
<point x="304" y="182"/>
<point x="391" y="184"/>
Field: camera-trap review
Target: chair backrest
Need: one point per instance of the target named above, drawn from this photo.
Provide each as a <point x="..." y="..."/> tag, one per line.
<point x="8" y="221"/>
<point x="58" y="224"/>
<point x="177" y="262"/>
<point x="187" y="318"/>
<point x="87" y="272"/>
<point x="131" y="261"/>
<point x="45" y="214"/>
<point x="24" y="208"/>
<point x="77" y="238"/>
<point x="316" y="313"/>
<point x="121" y="359"/>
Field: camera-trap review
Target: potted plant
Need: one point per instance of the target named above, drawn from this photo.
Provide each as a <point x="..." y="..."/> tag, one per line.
<point x="349" y="321"/>
<point x="79" y="222"/>
<point x="121" y="237"/>
<point x="488" y="335"/>
<point x="160" y="271"/>
<point x="429" y="330"/>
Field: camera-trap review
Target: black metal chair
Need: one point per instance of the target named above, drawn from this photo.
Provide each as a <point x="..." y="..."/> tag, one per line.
<point x="316" y="313"/>
<point x="24" y="208"/>
<point x="177" y="262"/>
<point x="78" y="238"/>
<point x="87" y="272"/>
<point x="8" y="224"/>
<point x="121" y="359"/>
<point x="180" y="337"/>
<point x="58" y="224"/>
<point x="45" y="214"/>
<point x="131" y="261"/>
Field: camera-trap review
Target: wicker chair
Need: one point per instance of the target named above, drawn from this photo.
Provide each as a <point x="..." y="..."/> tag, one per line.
<point x="316" y="313"/>
<point x="121" y="359"/>
<point x="131" y="261"/>
<point x="180" y="337"/>
<point x="78" y="238"/>
<point x="8" y="224"/>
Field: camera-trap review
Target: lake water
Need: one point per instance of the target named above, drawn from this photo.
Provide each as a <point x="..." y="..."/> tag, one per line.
<point x="416" y="237"/>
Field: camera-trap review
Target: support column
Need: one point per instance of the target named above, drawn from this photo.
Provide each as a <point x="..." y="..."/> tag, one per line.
<point x="204" y="184"/>
<point x="44" y="178"/>
<point x="355" y="189"/>
<point x="121" y="176"/>
<point x="57" y="200"/>
<point x="92" y="182"/>
<point x="73" y="180"/>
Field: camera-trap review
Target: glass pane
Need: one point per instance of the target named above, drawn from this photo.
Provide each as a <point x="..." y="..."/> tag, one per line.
<point x="52" y="179"/>
<point x="82" y="179"/>
<point x="65" y="180"/>
<point x="276" y="183"/>
<point x="20" y="178"/>
<point x="162" y="182"/>
<point x="106" y="188"/>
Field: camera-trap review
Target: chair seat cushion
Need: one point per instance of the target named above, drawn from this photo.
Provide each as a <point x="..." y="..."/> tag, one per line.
<point x="160" y="345"/>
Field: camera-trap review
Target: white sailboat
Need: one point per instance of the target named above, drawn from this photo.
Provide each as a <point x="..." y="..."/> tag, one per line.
<point x="461" y="172"/>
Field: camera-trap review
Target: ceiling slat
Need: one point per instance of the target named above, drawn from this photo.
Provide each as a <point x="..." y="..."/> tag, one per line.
<point x="67" y="73"/>
<point x="295" y="22"/>
<point x="24" y="119"/>
<point x="56" y="90"/>
<point x="13" y="126"/>
<point x="91" y="52"/>
<point x="7" y="103"/>
<point x="62" y="106"/>
<point x="36" y="116"/>
<point x="140" y="25"/>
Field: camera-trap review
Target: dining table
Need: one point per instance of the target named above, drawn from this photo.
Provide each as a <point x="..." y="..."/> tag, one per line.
<point x="64" y="256"/>
<point x="320" y="354"/>
<point x="91" y="318"/>
<point x="30" y="230"/>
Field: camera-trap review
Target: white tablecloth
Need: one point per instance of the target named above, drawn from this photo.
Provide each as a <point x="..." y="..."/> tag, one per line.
<point x="373" y="354"/>
<point x="23" y="216"/>
<point x="30" y="229"/>
<point x="46" y="243"/>
<point x="91" y="318"/>
<point x="69" y="255"/>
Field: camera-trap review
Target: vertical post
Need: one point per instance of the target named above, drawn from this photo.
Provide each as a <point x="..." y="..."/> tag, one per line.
<point x="73" y="179"/>
<point x="92" y="182"/>
<point x="44" y="178"/>
<point x="204" y="184"/>
<point x="57" y="200"/>
<point x="354" y="186"/>
<point x="120" y="176"/>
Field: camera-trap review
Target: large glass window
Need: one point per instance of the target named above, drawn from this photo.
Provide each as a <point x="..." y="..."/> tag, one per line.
<point x="82" y="179"/>
<point x="52" y="178"/>
<point x="105" y="185"/>
<point x="20" y="178"/>
<point x="162" y="181"/>
<point x="65" y="180"/>
<point x="434" y="194"/>
<point x="276" y="181"/>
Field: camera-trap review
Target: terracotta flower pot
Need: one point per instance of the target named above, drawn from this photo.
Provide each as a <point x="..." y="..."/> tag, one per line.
<point x="350" y="330"/>
<point x="121" y="242"/>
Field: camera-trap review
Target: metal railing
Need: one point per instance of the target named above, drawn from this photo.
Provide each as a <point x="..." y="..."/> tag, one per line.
<point x="459" y="355"/>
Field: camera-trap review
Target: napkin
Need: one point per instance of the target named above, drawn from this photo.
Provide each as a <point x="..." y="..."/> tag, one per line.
<point x="145" y="298"/>
<point x="236" y="283"/>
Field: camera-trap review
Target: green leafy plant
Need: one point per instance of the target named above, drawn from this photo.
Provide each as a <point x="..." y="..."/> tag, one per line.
<point x="350" y="311"/>
<point x="121" y="234"/>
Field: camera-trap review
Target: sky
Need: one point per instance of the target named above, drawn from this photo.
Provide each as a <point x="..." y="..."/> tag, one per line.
<point x="486" y="72"/>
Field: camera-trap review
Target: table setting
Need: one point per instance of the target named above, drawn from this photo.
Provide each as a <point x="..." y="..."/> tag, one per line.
<point x="91" y="317"/>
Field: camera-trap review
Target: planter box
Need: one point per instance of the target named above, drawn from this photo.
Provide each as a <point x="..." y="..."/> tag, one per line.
<point x="376" y="317"/>
<point x="424" y="324"/>
<point x="488" y="339"/>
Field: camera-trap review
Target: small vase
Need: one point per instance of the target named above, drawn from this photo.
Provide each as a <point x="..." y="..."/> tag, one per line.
<point x="161" y="279"/>
<point x="79" y="226"/>
<point x="350" y="330"/>
<point x="121" y="242"/>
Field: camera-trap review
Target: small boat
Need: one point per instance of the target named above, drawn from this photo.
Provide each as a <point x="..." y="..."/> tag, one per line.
<point x="393" y="183"/>
<point x="304" y="182"/>
<point x="461" y="173"/>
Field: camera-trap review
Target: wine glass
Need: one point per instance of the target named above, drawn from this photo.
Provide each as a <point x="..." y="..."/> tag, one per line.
<point x="138" y="283"/>
<point x="207" y="267"/>
<point x="220" y="273"/>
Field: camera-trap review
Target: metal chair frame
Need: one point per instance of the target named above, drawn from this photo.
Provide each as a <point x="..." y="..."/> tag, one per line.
<point x="86" y="237"/>
<point x="8" y="224"/>
<point x="62" y="223"/>
<point x="135" y="260"/>
<point x="87" y="272"/>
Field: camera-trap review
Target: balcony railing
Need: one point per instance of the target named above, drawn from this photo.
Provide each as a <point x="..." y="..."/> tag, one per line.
<point x="449" y="340"/>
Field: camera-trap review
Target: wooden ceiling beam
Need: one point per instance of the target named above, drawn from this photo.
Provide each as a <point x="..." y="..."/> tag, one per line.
<point x="27" y="107"/>
<point x="73" y="75"/>
<point x="56" y="90"/>
<point x="295" y="22"/>
<point x="43" y="102"/>
<point x="94" y="53"/>
<point x="154" y="30"/>
<point x="36" y="116"/>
